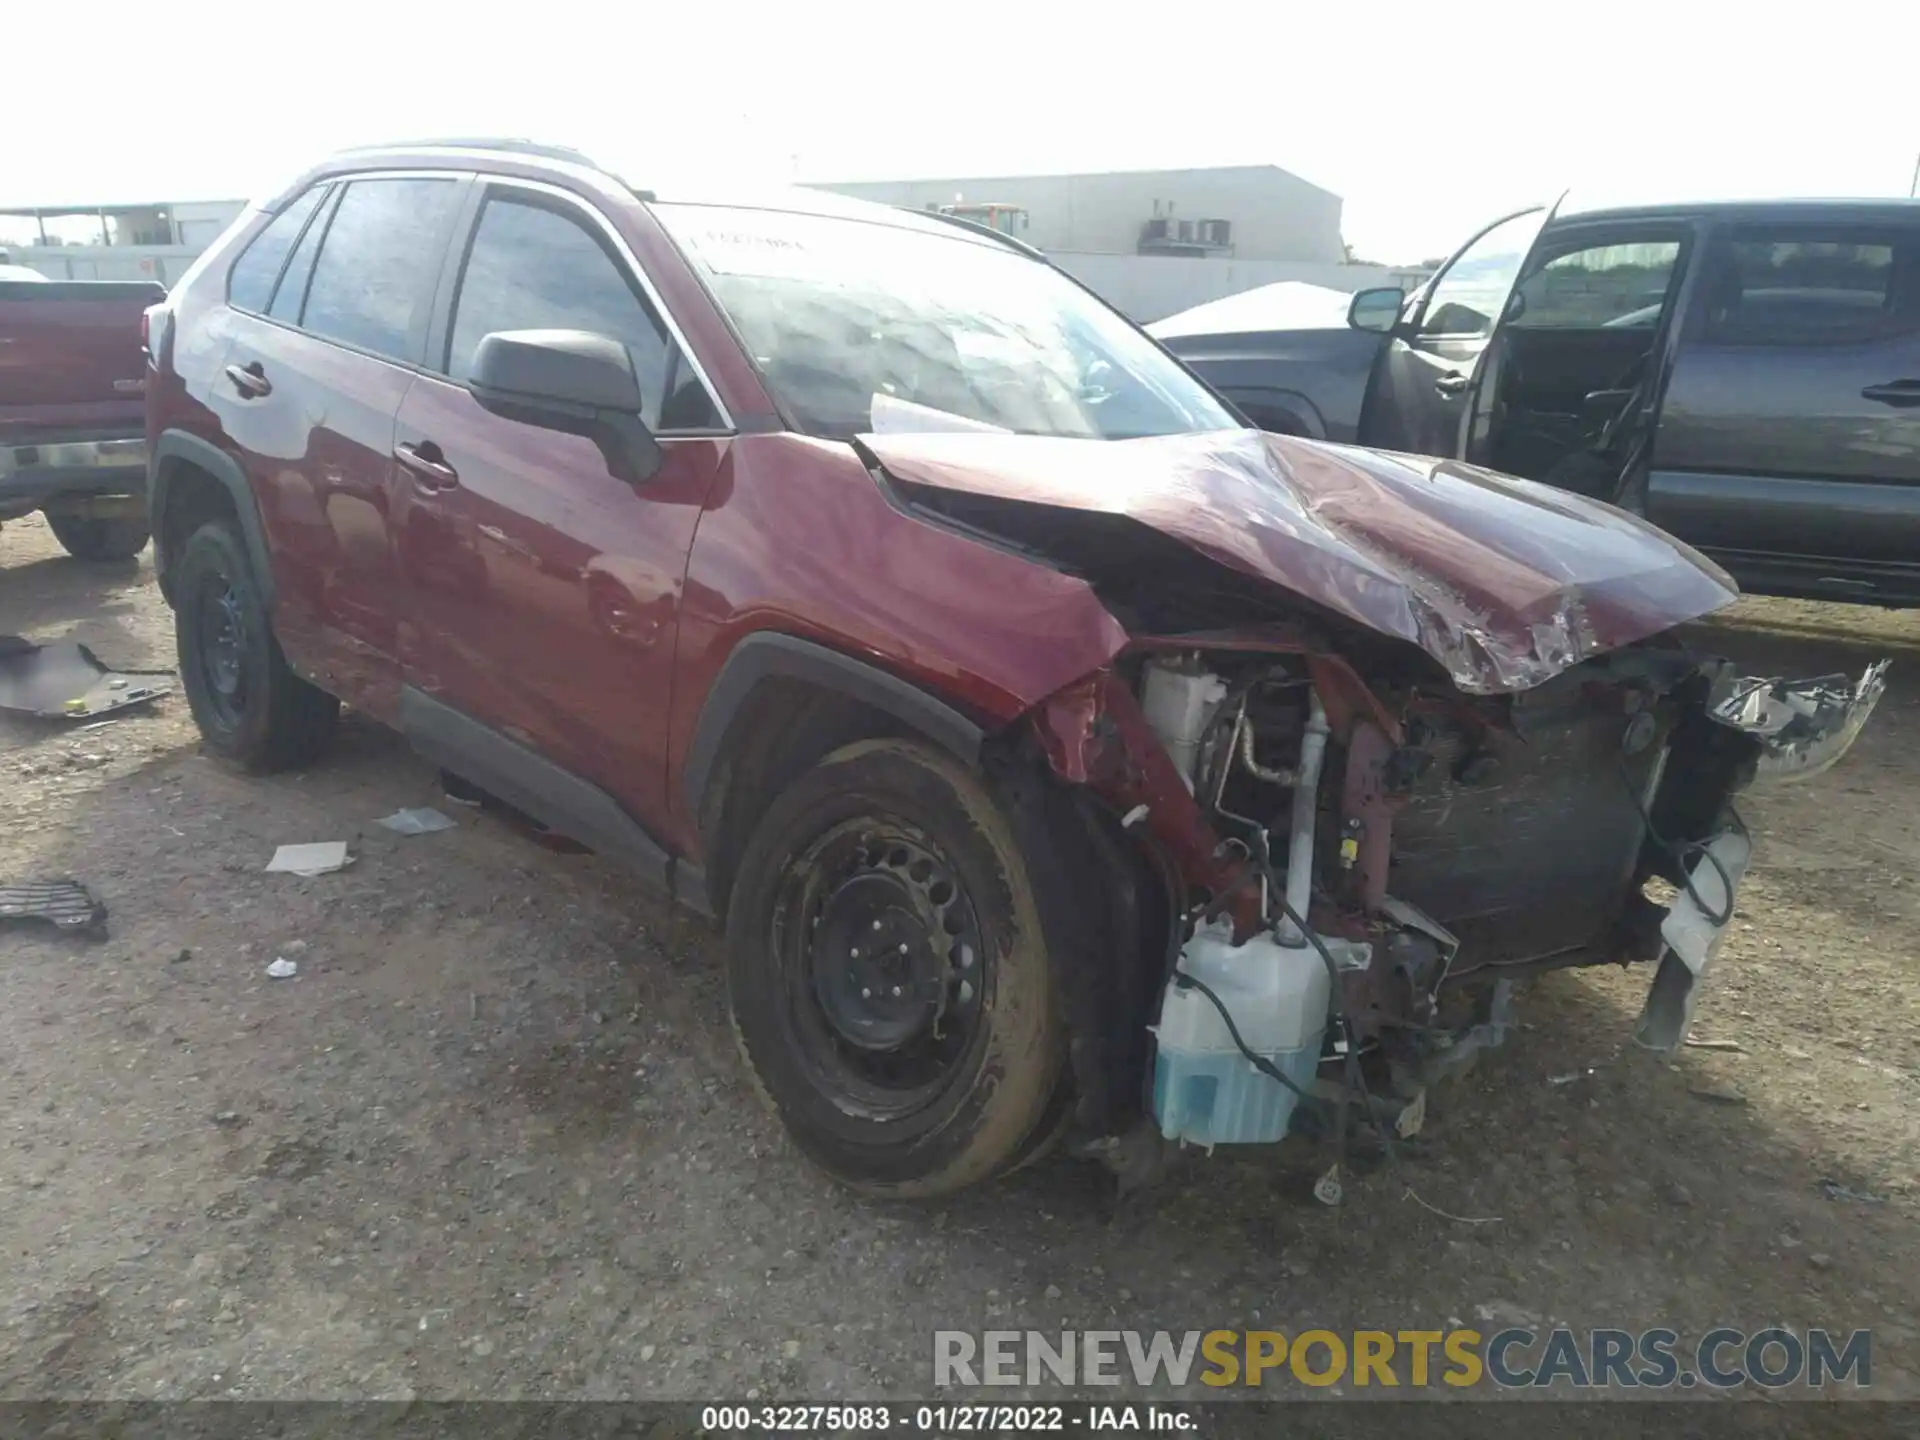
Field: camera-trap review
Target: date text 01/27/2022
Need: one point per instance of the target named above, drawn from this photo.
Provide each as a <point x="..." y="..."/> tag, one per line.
<point x="942" y="1419"/>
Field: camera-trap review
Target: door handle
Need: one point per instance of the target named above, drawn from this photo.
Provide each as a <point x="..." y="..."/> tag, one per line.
<point x="427" y="465"/>
<point x="1452" y="383"/>
<point x="250" y="379"/>
<point x="1894" y="392"/>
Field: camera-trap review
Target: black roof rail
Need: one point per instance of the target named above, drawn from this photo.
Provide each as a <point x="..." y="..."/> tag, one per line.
<point x="977" y="228"/>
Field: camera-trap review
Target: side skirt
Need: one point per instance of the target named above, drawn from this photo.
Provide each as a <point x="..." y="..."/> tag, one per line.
<point x="553" y="795"/>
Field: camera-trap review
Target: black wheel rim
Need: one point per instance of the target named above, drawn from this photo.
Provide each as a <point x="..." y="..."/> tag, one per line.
<point x="884" y="973"/>
<point x="222" y="627"/>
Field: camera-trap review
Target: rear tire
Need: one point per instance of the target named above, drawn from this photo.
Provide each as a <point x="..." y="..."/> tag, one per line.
<point x="250" y="706"/>
<point x="98" y="537"/>
<point x="928" y="1062"/>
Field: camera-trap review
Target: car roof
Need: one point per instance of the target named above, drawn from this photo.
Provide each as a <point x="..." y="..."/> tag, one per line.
<point x="700" y="189"/>
<point x="1787" y="210"/>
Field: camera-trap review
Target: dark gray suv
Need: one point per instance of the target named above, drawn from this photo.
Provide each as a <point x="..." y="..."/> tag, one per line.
<point x="1747" y="376"/>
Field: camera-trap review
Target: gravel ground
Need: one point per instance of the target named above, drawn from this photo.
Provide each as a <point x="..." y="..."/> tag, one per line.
<point x="494" y="1139"/>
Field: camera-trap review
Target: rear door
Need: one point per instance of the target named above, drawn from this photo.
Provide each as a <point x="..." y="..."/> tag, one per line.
<point x="1419" y="391"/>
<point x="543" y="594"/>
<point x="1789" y="443"/>
<point x="331" y="303"/>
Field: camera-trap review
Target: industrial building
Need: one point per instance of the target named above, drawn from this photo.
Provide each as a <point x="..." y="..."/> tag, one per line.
<point x="151" y="241"/>
<point x="1154" y="242"/>
<point x="1246" y="212"/>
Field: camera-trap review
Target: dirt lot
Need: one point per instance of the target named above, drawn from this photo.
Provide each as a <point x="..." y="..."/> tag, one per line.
<point x="494" y="1138"/>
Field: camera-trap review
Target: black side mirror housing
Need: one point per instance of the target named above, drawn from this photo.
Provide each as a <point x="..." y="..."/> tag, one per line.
<point x="1377" y="309"/>
<point x="569" y="380"/>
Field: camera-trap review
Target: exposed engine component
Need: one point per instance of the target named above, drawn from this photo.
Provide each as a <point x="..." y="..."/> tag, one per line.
<point x="1180" y="700"/>
<point x="1205" y="1088"/>
<point x="1357" y="870"/>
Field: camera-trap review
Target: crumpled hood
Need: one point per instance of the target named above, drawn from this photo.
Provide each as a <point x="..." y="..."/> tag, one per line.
<point x="1505" y="582"/>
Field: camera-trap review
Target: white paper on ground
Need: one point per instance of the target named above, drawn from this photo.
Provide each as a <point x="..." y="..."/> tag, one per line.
<point x="421" y="821"/>
<point x="320" y="858"/>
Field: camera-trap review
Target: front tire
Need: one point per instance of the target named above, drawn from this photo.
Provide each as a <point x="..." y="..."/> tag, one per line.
<point x="889" y="981"/>
<point x="98" y="537"/>
<point x="250" y="706"/>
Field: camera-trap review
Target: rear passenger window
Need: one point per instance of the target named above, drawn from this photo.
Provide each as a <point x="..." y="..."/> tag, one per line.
<point x="377" y="264"/>
<point x="292" y="294"/>
<point x="250" y="282"/>
<point x="535" y="267"/>
<point x="1807" y="288"/>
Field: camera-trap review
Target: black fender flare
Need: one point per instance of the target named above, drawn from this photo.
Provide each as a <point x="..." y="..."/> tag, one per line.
<point x="771" y="654"/>
<point x="1290" y="404"/>
<point x="179" y="445"/>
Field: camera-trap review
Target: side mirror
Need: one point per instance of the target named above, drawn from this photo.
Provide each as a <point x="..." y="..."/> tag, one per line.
<point x="1377" y="309"/>
<point x="570" y="380"/>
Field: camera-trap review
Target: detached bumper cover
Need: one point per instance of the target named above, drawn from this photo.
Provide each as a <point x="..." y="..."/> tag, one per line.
<point x="1692" y="933"/>
<point x="1803" y="726"/>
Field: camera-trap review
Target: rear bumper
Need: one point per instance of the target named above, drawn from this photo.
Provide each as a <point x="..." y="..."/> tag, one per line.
<point x="72" y="467"/>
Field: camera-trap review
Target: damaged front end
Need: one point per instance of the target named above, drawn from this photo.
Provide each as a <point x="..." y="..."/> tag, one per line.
<point x="1436" y="845"/>
<point x="1389" y="735"/>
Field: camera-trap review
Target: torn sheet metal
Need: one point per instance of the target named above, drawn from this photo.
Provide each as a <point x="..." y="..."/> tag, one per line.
<point x="67" y="905"/>
<point x="1505" y="582"/>
<point x="67" y="682"/>
<point x="1803" y="726"/>
<point x="1093" y="733"/>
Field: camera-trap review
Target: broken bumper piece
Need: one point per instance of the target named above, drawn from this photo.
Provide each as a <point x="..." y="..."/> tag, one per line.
<point x="1691" y="935"/>
<point x="1803" y="726"/>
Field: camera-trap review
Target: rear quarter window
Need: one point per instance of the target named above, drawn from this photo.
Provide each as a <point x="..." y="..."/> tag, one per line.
<point x="250" y="283"/>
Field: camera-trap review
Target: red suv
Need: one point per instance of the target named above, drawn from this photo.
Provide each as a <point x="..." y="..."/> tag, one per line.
<point x="1064" y="757"/>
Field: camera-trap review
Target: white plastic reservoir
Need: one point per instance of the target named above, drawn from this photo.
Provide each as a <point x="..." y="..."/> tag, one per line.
<point x="1204" y="1090"/>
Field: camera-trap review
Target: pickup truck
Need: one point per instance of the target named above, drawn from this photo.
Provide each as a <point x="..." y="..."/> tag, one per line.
<point x="1744" y="375"/>
<point x="73" y="409"/>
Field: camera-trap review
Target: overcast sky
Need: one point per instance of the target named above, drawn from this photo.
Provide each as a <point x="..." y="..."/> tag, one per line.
<point x="1428" y="118"/>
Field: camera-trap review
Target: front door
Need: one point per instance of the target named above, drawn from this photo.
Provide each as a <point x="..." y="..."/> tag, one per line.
<point x="1419" y="391"/>
<point x="543" y="594"/>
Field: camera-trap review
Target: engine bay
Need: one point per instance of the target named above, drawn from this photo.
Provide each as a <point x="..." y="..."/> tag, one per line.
<point x="1361" y="871"/>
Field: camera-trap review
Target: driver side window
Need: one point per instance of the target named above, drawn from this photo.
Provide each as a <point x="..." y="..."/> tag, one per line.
<point x="1465" y="299"/>
<point x="532" y="266"/>
<point x="1612" y="287"/>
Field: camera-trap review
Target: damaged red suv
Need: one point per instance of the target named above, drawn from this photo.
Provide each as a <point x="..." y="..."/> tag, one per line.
<point x="1065" y="758"/>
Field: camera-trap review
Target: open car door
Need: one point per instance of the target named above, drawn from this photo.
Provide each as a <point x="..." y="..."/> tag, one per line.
<point x="1419" y="401"/>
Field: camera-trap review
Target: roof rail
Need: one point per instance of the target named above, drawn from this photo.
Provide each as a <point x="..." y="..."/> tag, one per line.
<point x="977" y="228"/>
<point x="505" y="144"/>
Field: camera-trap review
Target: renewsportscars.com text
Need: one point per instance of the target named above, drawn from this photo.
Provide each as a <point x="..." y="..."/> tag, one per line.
<point x="1600" y="1359"/>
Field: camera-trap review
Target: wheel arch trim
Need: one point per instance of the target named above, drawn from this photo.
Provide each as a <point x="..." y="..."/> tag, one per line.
<point x="772" y="655"/>
<point x="181" y="446"/>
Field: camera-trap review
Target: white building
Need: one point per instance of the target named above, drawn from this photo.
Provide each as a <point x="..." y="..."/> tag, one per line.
<point x="1155" y="242"/>
<point x="1247" y="212"/>
<point x="151" y="241"/>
